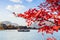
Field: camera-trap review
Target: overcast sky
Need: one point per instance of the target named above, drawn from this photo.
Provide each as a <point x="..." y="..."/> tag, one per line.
<point x="19" y="6"/>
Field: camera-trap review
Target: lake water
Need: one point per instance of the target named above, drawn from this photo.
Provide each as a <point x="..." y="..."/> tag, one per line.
<point x="32" y="35"/>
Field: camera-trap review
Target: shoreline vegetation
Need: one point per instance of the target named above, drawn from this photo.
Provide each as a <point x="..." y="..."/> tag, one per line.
<point x="8" y="26"/>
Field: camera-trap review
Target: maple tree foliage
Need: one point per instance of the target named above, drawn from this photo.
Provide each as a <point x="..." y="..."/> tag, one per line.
<point x="48" y="11"/>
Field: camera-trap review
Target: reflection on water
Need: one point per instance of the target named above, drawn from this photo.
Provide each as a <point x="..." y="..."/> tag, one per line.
<point x="32" y="35"/>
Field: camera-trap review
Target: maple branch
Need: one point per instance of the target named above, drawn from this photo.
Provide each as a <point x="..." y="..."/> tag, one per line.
<point x="52" y="22"/>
